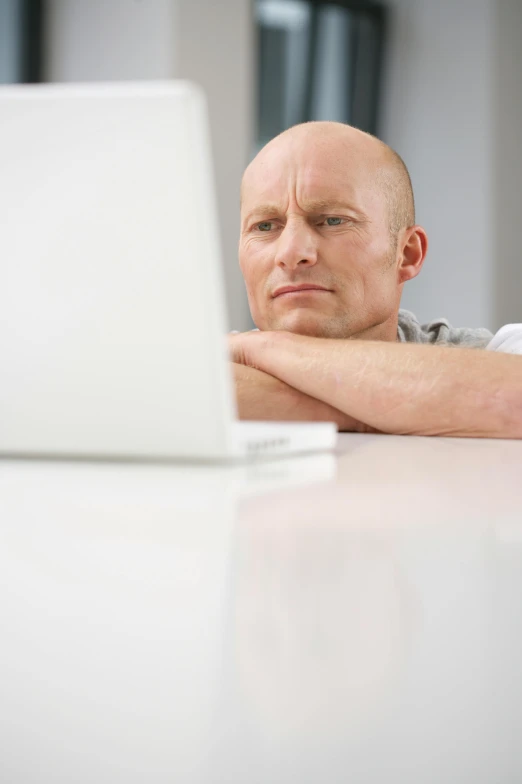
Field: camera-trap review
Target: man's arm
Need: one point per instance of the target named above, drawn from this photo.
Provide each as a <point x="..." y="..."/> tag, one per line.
<point x="263" y="397"/>
<point x="396" y="388"/>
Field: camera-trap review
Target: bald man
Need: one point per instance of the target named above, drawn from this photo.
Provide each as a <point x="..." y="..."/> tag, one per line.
<point x="328" y="240"/>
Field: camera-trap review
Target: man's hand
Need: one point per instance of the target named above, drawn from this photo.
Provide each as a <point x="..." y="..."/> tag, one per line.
<point x="239" y="345"/>
<point x="263" y="397"/>
<point x="396" y="388"/>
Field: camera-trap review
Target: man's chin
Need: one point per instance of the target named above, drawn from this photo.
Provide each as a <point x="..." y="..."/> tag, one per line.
<point x="314" y="325"/>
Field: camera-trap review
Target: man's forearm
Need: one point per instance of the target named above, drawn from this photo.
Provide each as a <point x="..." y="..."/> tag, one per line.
<point x="261" y="396"/>
<point x="397" y="388"/>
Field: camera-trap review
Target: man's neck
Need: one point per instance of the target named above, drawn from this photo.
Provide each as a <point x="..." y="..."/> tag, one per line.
<point x="386" y="331"/>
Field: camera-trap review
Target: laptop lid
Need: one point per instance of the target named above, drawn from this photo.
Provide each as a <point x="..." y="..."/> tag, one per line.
<point x="112" y="302"/>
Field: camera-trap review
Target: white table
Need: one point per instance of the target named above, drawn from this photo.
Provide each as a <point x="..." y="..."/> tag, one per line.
<point x="355" y="618"/>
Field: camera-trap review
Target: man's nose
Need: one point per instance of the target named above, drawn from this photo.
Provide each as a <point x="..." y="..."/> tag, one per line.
<point x="296" y="247"/>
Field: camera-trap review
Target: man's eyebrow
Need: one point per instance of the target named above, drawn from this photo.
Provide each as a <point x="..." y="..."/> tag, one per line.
<point x="264" y="209"/>
<point x="318" y="206"/>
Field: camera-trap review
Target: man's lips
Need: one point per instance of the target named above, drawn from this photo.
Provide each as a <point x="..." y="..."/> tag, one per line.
<point x="298" y="289"/>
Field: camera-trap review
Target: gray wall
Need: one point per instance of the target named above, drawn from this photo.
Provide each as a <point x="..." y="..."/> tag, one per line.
<point x="9" y="41"/>
<point x="438" y="116"/>
<point x="453" y="110"/>
<point x="507" y="161"/>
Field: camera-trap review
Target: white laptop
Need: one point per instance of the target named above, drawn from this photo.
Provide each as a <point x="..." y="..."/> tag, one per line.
<point x="112" y="309"/>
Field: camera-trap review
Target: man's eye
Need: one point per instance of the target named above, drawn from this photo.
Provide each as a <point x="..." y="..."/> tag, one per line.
<point x="264" y="226"/>
<point x="334" y="221"/>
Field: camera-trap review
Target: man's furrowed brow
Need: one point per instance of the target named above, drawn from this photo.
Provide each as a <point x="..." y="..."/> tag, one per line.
<point x="318" y="206"/>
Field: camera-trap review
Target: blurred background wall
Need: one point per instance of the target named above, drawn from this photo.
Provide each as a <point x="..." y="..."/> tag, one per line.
<point x="437" y="113"/>
<point x="506" y="259"/>
<point x="208" y="41"/>
<point x="439" y="80"/>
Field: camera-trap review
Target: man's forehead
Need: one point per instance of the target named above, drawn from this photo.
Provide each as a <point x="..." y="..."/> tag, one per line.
<point x="319" y="162"/>
<point x="310" y="185"/>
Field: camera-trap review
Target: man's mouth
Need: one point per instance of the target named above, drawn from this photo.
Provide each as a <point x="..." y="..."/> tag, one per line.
<point x="296" y="290"/>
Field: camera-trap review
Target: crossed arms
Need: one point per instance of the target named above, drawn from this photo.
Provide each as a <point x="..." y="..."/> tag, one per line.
<point x="384" y="387"/>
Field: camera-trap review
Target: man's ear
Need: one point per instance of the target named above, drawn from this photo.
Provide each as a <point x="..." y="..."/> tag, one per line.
<point x="412" y="249"/>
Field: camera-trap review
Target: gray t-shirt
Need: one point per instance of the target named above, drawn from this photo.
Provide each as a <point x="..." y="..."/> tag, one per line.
<point x="440" y="333"/>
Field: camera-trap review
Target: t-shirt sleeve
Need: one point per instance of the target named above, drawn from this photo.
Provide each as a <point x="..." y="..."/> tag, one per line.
<point x="508" y="339"/>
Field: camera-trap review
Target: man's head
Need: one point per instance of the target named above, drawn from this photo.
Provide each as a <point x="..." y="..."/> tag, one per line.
<point x="326" y="205"/>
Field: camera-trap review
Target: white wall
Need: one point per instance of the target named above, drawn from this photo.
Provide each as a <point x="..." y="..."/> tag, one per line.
<point x="109" y="40"/>
<point x="208" y="41"/>
<point x="215" y="47"/>
<point x="438" y="116"/>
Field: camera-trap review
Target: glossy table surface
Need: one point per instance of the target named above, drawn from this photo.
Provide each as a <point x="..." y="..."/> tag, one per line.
<point x="354" y="617"/>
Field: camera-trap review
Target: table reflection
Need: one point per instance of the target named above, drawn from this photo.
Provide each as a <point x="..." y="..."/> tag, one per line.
<point x="360" y="616"/>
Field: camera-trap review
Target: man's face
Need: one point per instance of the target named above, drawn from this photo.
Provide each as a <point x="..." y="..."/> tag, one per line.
<point x="313" y="215"/>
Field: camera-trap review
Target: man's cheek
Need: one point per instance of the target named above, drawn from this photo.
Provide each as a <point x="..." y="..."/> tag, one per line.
<point x="256" y="305"/>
